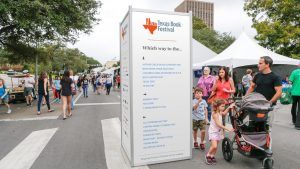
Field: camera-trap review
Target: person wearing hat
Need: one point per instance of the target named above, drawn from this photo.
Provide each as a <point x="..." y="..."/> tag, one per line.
<point x="29" y="83"/>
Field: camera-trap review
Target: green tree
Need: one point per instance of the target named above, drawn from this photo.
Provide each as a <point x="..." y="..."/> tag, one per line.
<point x="92" y="61"/>
<point x="26" y="23"/>
<point x="198" y="23"/>
<point x="65" y="58"/>
<point x="277" y="23"/>
<point x="3" y="56"/>
<point x="212" y="39"/>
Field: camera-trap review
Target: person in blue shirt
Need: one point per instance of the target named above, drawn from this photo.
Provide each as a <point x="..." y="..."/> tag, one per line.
<point x="199" y="116"/>
<point x="4" y="95"/>
<point x="57" y="86"/>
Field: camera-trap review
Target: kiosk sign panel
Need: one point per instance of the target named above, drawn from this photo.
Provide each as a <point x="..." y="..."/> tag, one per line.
<point x="125" y="81"/>
<point x="160" y="66"/>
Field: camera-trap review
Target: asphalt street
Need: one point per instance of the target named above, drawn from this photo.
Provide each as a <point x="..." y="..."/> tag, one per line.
<point x="78" y="142"/>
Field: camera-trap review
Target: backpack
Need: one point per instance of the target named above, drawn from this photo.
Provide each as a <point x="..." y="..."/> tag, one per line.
<point x="73" y="89"/>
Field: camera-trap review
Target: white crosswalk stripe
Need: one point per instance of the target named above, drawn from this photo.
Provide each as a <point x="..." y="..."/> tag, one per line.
<point x="97" y="104"/>
<point x="24" y="154"/>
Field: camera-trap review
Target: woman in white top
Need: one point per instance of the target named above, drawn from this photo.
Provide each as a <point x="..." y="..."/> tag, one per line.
<point x="108" y="84"/>
<point x="103" y="80"/>
<point x="98" y="84"/>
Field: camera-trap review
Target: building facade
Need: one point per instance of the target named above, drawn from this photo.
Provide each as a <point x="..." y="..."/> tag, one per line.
<point x="200" y="9"/>
<point x="110" y="64"/>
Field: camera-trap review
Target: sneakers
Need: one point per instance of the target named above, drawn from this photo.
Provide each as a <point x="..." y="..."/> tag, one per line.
<point x="202" y="146"/>
<point x="196" y="145"/>
<point x="213" y="160"/>
<point x="208" y="160"/>
<point x="8" y="111"/>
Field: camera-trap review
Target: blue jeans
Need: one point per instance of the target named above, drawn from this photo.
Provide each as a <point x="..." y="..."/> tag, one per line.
<point x="85" y="90"/>
<point x="41" y="99"/>
<point x="108" y="86"/>
<point x="245" y="90"/>
<point x="72" y="102"/>
<point x="94" y="87"/>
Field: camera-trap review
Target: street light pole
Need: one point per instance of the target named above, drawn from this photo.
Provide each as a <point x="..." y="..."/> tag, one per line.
<point x="36" y="67"/>
<point x="36" y="64"/>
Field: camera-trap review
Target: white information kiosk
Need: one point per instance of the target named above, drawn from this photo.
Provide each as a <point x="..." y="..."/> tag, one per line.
<point x="156" y="86"/>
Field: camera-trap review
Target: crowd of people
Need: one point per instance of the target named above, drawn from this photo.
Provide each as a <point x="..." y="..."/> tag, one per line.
<point x="64" y="89"/>
<point x="212" y="94"/>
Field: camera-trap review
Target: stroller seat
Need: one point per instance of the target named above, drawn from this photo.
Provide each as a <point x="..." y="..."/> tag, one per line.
<point x="256" y="106"/>
<point x="256" y="138"/>
<point x="255" y="102"/>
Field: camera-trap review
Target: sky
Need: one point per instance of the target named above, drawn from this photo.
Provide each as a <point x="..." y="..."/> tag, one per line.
<point x="103" y="43"/>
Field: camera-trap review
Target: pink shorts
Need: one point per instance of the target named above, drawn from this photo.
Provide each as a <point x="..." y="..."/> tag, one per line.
<point x="216" y="136"/>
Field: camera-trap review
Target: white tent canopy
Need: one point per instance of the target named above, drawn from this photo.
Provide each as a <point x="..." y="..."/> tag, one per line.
<point x="201" y="53"/>
<point x="243" y="52"/>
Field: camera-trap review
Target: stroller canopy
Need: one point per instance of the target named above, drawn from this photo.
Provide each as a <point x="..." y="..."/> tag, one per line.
<point x="255" y="102"/>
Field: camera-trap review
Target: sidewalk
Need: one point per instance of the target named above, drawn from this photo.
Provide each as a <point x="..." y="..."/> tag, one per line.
<point x="21" y="112"/>
<point x="282" y="115"/>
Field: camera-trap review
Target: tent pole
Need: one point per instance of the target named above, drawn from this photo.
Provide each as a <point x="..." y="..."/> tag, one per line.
<point x="231" y="70"/>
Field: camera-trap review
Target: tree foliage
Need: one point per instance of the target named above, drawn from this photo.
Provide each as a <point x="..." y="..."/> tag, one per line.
<point x="198" y="24"/>
<point x="92" y="61"/>
<point x="212" y="39"/>
<point x="26" y="23"/>
<point x="60" y="58"/>
<point x="277" y="23"/>
<point x="53" y="57"/>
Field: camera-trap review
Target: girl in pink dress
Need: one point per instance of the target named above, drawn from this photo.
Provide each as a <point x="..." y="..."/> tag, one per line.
<point x="215" y="131"/>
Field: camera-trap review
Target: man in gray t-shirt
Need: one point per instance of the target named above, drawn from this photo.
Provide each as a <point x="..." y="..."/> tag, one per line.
<point x="28" y="88"/>
<point x="246" y="80"/>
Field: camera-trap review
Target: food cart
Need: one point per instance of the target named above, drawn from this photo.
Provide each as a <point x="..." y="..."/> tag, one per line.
<point x="16" y="90"/>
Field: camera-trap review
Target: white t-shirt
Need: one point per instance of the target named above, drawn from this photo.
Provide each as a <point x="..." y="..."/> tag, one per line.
<point x="247" y="80"/>
<point x="109" y="80"/>
<point x="28" y="82"/>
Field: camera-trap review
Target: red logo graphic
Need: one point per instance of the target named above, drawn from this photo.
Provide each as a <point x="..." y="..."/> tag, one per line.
<point x="151" y="26"/>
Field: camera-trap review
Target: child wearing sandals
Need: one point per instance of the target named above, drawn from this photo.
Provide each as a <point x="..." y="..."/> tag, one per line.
<point x="215" y="131"/>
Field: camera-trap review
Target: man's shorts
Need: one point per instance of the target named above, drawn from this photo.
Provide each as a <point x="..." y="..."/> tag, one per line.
<point x="199" y="124"/>
<point x="4" y="100"/>
<point x="27" y="91"/>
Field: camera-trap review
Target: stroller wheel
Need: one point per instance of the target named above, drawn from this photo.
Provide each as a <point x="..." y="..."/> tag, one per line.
<point x="227" y="149"/>
<point x="268" y="163"/>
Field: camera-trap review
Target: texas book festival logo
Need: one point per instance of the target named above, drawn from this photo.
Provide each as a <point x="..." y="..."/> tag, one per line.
<point x="161" y="26"/>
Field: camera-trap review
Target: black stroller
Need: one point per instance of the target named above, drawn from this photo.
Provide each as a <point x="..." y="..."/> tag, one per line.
<point x="252" y="136"/>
